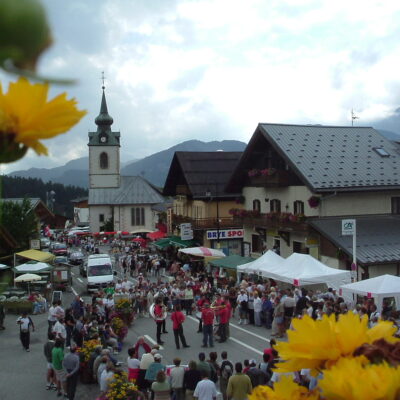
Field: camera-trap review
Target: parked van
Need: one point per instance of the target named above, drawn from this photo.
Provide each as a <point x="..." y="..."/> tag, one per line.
<point x="99" y="271"/>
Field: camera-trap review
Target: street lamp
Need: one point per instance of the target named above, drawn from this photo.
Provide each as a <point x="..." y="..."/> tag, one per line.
<point x="209" y="195"/>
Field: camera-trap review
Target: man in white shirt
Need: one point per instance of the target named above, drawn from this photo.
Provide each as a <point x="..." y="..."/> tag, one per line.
<point x="242" y="301"/>
<point x="52" y="317"/>
<point x="25" y="323"/>
<point x="176" y="379"/>
<point x="205" y="389"/>
<point x="59" y="330"/>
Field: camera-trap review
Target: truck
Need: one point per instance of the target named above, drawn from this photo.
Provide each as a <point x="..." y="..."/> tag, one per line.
<point x="99" y="271"/>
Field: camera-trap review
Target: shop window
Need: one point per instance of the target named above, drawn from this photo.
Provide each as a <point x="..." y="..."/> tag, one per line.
<point x="298" y="207"/>
<point x="257" y="205"/>
<point x="395" y="205"/>
<point x="256" y="244"/>
<point x="275" y="205"/>
<point x="104" y="160"/>
<point x="299" y="247"/>
<point x="137" y="216"/>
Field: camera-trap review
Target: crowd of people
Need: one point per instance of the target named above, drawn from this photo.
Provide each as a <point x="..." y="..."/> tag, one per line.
<point x="185" y="290"/>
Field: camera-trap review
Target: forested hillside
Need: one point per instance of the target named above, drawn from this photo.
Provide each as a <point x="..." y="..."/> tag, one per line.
<point x="32" y="187"/>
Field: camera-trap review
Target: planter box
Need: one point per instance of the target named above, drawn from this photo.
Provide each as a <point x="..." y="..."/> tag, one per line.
<point x="279" y="178"/>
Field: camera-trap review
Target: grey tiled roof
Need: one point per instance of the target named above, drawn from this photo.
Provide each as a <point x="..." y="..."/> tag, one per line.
<point x="336" y="157"/>
<point x="378" y="237"/>
<point x="133" y="190"/>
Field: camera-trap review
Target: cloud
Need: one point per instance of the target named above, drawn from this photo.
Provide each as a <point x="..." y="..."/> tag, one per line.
<point x="213" y="69"/>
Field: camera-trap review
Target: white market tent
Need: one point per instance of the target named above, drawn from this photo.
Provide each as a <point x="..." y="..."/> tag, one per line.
<point x="303" y="269"/>
<point x="268" y="260"/>
<point x="377" y="288"/>
<point x="32" y="267"/>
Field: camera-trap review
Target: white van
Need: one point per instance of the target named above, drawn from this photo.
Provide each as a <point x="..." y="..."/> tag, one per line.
<point x="99" y="271"/>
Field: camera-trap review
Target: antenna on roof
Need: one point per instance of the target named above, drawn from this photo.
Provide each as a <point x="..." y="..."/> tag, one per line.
<point x="353" y="117"/>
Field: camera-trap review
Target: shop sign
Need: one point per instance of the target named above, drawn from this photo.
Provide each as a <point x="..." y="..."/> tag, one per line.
<point x="226" y="234"/>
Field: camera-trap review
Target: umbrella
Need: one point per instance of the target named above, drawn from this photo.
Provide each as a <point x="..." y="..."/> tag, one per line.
<point x="203" y="252"/>
<point x="142" y="242"/>
<point x="156" y="235"/>
<point x="141" y="230"/>
<point x="28" y="278"/>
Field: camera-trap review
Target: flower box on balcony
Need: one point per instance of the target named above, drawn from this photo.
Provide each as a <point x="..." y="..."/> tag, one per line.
<point x="271" y="178"/>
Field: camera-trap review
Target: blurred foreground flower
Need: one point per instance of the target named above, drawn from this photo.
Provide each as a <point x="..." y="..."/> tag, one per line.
<point x="356" y="379"/>
<point x="26" y="117"/>
<point x="285" y="389"/>
<point x="319" y="344"/>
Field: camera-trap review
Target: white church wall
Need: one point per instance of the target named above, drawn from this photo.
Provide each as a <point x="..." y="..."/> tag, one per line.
<point x="94" y="216"/>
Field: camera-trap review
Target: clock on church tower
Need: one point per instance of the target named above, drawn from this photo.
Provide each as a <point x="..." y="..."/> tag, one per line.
<point x="104" y="146"/>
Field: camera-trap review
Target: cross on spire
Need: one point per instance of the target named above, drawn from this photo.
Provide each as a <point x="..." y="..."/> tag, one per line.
<point x="103" y="78"/>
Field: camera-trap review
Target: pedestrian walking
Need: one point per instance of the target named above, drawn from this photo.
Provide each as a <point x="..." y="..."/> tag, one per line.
<point x="2" y="316"/>
<point x="57" y="357"/>
<point x="71" y="364"/>
<point x="176" y="379"/>
<point x="25" y="326"/>
<point x="177" y="321"/>
<point x="190" y="380"/>
<point x="226" y="373"/>
<point x="47" y="349"/>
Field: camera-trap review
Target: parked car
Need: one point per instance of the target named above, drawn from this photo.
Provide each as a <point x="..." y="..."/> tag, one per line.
<point x="44" y="243"/>
<point x="60" y="249"/>
<point x="76" y="258"/>
<point x="61" y="260"/>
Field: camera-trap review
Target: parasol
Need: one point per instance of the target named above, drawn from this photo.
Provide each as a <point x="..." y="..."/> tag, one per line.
<point x="203" y="252"/>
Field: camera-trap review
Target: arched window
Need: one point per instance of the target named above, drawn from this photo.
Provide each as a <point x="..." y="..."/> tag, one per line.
<point x="257" y="205"/>
<point x="275" y="205"/>
<point x="103" y="160"/>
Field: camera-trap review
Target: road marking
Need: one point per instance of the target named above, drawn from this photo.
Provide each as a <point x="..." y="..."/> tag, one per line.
<point x="249" y="332"/>
<point x="80" y="280"/>
<point x="245" y="345"/>
<point x="152" y="341"/>
<point x="74" y="291"/>
<point x="239" y="328"/>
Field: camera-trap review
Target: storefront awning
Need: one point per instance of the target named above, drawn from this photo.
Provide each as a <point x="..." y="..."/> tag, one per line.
<point x="41" y="256"/>
<point x="178" y="242"/>
<point x="162" y="243"/>
<point x="231" y="262"/>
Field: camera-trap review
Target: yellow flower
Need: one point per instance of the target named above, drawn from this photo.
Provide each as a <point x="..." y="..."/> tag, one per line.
<point x="285" y="389"/>
<point x="355" y="379"/>
<point x="26" y="116"/>
<point x="319" y="344"/>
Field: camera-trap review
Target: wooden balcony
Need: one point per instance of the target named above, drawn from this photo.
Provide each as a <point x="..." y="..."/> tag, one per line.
<point x="279" y="222"/>
<point x="278" y="178"/>
<point x="182" y="190"/>
<point x="208" y="223"/>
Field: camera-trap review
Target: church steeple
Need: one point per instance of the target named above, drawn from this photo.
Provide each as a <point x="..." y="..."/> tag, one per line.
<point x="104" y="136"/>
<point x="103" y="120"/>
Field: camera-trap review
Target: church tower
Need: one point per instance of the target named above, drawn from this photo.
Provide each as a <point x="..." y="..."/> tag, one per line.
<point x="104" y="146"/>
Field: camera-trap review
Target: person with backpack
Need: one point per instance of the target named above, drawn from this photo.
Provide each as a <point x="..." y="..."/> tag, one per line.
<point x="25" y="325"/>
<point x="226" y="372"/>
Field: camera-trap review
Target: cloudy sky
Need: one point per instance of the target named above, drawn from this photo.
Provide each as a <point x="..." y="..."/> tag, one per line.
<point x="213" y="69"/>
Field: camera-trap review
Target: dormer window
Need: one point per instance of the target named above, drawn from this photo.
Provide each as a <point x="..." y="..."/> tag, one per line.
<point x="104" y="160"/>
<point x="381" y="151"/>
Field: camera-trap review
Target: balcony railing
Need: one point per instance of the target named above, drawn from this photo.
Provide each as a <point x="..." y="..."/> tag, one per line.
<point x="269" y="178"/>
<point x="208" y="223"/>
<point x="276" y="221"/>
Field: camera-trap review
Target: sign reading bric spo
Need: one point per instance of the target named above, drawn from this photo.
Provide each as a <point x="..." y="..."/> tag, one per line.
<point x="226" y="234"/>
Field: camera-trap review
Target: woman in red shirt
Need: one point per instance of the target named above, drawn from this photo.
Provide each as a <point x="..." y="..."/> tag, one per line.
<point x="178" y="317"/>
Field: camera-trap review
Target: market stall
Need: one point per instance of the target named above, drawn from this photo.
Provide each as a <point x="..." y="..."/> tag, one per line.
<point x="268" y="260"/>
<point x="378" y="288"/>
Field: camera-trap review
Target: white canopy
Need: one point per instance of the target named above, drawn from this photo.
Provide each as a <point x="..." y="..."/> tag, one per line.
<point x="32" y="267"/>
<point x="303" y="269"/>
<point x="377" y="288"/>
<point x="266" y="261"/>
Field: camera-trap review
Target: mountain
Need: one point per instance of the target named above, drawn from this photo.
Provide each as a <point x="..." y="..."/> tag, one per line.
<point x="390" y="135"/>
<point x="154" y="167"/>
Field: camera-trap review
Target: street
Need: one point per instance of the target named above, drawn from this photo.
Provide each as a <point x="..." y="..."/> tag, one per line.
<point x="23" y="374"/>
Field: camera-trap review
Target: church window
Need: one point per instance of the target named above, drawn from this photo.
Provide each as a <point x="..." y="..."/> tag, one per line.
<point x="257" y="205"/>
<point x="275" y="205"/>
<point x="104" y="160"/>
<point x="137" y="216"/>
<point x="101" y="217"/>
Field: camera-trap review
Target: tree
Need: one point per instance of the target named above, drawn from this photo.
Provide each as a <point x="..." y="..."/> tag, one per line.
<point x="20" y="220"/>
<point x="108" y="226"/>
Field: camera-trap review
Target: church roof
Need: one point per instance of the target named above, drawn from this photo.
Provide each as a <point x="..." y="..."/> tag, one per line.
<point x="133" y="190"/>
